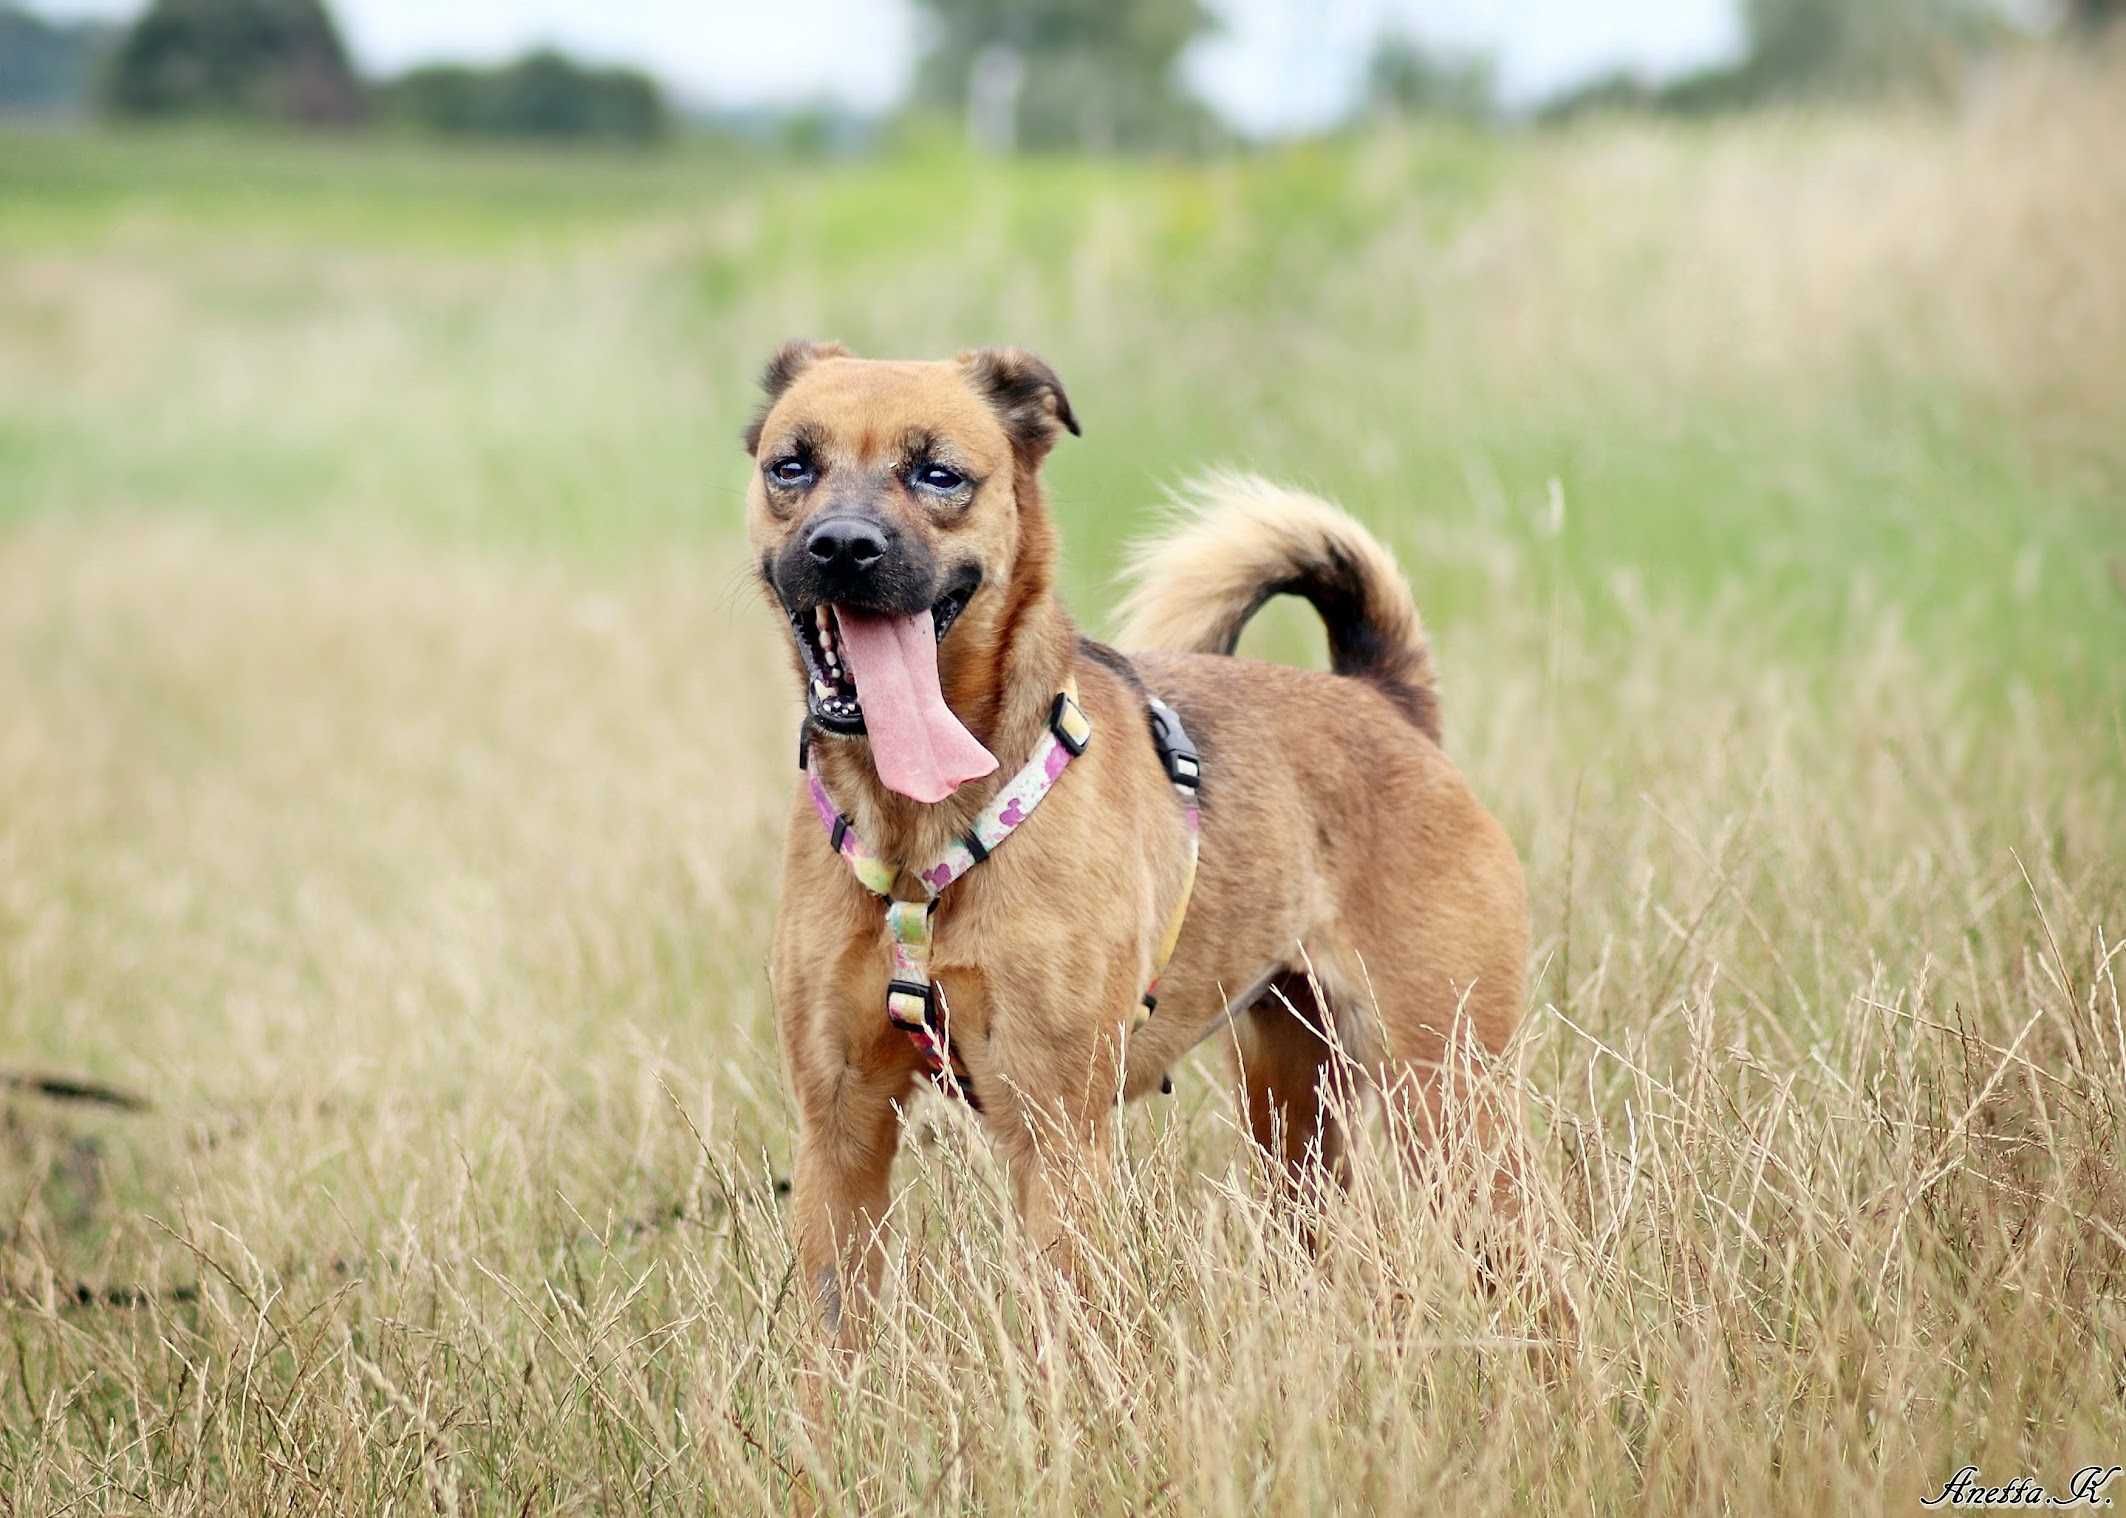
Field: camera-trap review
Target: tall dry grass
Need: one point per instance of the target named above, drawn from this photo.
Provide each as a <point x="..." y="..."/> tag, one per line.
<point x="427" y="903"/>
<point x="422" y="881"/>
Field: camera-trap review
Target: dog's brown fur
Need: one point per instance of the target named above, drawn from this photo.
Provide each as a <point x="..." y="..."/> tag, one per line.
<point x="1346" y="868"/>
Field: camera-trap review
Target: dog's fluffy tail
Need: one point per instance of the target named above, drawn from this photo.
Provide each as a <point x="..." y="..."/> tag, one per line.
<point x="1237" y="541"/>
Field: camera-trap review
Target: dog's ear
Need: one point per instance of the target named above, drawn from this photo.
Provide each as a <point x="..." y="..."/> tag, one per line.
<point x="788" y="362"/>
<point x="1026" y="394"/>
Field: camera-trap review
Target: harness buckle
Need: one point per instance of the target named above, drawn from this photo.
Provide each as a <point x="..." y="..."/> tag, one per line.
<point x="1069" y="724"/>
<point x="1177" y="752"/>
<point x="911" y="1007"/>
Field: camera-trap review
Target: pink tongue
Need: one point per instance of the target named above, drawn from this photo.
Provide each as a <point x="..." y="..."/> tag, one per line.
<point x="918" y="747"/>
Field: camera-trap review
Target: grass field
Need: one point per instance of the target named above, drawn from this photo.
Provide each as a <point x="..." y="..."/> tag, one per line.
<point x="393" y="757"/>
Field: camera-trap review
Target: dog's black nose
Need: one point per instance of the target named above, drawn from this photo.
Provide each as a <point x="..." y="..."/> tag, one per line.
<point x="846" y="543"/>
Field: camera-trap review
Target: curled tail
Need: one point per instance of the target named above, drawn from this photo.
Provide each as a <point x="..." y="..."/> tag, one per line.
<point x="1240" y="540"/>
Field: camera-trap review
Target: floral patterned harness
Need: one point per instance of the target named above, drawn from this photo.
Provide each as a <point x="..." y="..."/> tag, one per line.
<point x="913" y="1002"/>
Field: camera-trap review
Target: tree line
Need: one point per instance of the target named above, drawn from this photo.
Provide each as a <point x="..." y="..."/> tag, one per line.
<point x="1793" y="51"/>
<point x="1021" y="74"/>
<point x="285" y="61"/>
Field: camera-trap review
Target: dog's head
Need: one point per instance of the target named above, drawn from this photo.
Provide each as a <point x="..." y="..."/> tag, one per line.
<point x="890" y="504"/>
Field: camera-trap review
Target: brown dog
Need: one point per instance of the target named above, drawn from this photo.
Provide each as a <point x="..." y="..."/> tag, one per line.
<point x="1350" y="890"/>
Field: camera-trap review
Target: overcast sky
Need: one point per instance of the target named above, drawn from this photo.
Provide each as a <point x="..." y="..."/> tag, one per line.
<point x="1279" y="65"/>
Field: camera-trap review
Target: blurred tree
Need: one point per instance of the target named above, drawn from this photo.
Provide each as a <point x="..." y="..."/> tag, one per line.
<point x="1801" y="49"/>
<point x="47" y="65"/>
<point x="1067" y="73"/>
<point x="1406" y="78"/>
<point x="1817" y="47"/>
<point x="278" y="59"/>
<point x="443" y="97"/>
<point x="1616" y="90"/>
<point x="543" y="94"/>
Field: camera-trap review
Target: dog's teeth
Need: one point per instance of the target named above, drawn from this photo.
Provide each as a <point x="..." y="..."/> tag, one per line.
<point x="822" y="689"/>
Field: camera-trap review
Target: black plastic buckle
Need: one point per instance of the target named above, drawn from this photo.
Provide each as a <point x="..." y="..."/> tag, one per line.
<point x="1183" y="766"/>
<point x="927" y="993"/>
<point x="1076" y="746"/>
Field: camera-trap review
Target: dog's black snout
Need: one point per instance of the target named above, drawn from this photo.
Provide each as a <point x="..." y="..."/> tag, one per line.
<point x="855" y="556"/>
<point x="846" y="543"/>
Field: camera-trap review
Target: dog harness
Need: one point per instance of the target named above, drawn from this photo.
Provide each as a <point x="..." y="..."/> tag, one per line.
<point x="912" y="1001"/>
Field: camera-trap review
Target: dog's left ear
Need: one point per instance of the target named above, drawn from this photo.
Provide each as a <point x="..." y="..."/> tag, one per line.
<point x="1026" y="394"/>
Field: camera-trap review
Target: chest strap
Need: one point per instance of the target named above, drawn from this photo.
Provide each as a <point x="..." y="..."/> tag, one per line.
<point x="1184" y="770"/>
<point x="912" y="1001"/>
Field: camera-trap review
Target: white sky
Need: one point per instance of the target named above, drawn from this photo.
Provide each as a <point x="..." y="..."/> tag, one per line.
<point x="1279" y="65"/>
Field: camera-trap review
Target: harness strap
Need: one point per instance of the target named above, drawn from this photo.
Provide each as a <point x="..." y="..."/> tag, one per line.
<point x="1184" y="770"/>
<point x="913" y="1002"/>
<point x="872" y="873"/>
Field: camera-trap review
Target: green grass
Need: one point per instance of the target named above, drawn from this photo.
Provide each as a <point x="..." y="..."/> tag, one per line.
<point x="62" y="188"/>
<point x="616" y="305"/>
<point x="394" y="758"/>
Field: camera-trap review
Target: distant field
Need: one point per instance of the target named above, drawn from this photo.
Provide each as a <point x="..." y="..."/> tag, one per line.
<point x="393" y="758"/>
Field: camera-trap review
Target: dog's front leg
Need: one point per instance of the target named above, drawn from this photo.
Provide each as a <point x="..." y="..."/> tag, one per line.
<point x="1057" y="1163"/>
<point x="1059" y="1060"/>
<point x="848" y="1129"/>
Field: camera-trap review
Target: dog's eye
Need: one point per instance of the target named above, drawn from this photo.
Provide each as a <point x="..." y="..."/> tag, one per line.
<point x="937" y="477"/>
<point x="790" y="471"/>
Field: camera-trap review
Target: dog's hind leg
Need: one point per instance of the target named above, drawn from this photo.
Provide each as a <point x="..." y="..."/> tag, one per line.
<point x="1298" y="1085"/>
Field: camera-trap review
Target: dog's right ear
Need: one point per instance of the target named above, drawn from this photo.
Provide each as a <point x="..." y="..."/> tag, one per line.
<point x="789" y="361"/>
